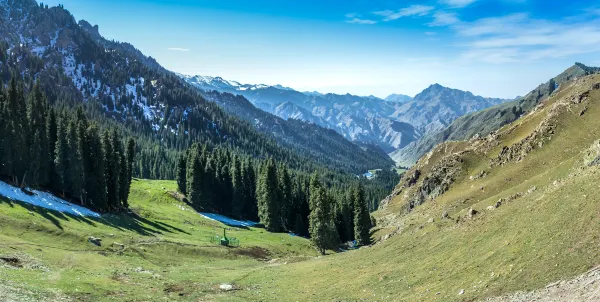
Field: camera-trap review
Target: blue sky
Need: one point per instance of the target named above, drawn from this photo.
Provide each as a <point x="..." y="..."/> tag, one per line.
<point x="496" y="48"/>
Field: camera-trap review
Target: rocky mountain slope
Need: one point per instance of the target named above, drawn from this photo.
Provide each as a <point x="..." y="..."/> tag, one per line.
<point x="73" y="63"/>
<point x="483" y="122"/>
<point x="392" y="123"/>
<point x="502" y="215"/>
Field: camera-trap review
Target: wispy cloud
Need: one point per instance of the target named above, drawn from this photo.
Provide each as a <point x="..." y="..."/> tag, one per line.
<point x="458" y="3"/>
<point x="430" y="33"/>
<point x="361" y="21"/>
<point x="518" y="37"/>
<point x="179" y="49"/>
<point x="413" y="10"/>
<point x="444" y="19"/>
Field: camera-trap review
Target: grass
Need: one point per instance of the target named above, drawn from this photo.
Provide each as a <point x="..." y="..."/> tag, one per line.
<point x="548" y="234"/>
<point x="167" y="254"/>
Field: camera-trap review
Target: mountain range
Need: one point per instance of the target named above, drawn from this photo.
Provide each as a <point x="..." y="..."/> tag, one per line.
<point x="73" y="63"/>
<point x="392" y="123"/>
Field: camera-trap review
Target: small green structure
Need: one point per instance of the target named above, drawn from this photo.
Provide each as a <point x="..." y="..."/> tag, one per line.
<point x="225" y="241"/>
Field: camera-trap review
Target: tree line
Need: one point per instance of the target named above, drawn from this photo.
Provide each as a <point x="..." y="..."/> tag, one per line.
<point x="283" y="200"/>
<point x="62" y="151"/>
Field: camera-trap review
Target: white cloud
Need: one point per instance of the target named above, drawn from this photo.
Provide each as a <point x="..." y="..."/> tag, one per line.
<point x="413" y="10"/>
<point x="179" y="49"/>
<point x="430" y="33"/>
<point x="444" y="19"/>
<point x="520" y="38"/>
<point x="361" y="21"/>
<point x="458" y="3"/>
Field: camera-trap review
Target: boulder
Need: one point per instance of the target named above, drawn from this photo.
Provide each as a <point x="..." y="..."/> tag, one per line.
<point x="445" y="215"/>
<point x="95" y="241"/>
<point x="226" y="287"/>
<point x="472" y="212"/>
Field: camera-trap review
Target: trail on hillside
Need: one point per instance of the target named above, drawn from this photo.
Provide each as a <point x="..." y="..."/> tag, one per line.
<point x="585" y="287"/>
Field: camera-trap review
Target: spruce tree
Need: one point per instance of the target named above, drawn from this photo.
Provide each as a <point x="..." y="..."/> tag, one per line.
<point x="362" y="221"/>
<point x="95" y="188"/>
<point x="74" y="171"/>
<point x="194" y="173"/>
<point x="250" y="208"/>
<point x="286" y="201"/>
<point x="110" y="173"/>
<point x="51" y="139"/>
<point x="61" y="158"/>
<point x="127" y="161"/>
<point x="320" y="222"/>
<point x="268" y="198"/>
<point x="181" y="173"/>
<point x="237" y="187"/>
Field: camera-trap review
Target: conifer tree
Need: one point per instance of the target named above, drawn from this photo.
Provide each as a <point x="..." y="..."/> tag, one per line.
<point x="51" y="139"/>
<point x="194" y="171"/>
<point x="75" y="171"/>
<point x="237" y="187"/>
<point x="181" y="173"/>
<point x="129" y="162"/>
<point x="320" y="223"/>
<point x="94" y="170"/>
<point x="286" y="201"/>
<point x="268" y="198"/>
<point x="250" y="208"/>
<point x="61" y="158"/>
<point x="110" y="173"/>
<point x="362" y="221"/>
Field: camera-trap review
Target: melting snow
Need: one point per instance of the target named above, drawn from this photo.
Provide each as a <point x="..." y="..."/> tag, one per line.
<point x="44" y="200"/>
<point x="227" y="220"/>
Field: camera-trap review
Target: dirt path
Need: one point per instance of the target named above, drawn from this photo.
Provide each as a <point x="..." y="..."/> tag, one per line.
<point x="585" y="287"/>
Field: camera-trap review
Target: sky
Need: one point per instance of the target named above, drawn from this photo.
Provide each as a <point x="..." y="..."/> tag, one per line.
<point x="493" y="48"/>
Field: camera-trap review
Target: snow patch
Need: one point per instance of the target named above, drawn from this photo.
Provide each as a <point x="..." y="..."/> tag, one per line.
<point x="44" y="200"/>
<point x="228" y="221"/>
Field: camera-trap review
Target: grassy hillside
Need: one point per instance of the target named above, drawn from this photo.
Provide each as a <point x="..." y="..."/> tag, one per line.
<point x="546" y="228"/>
<point x="532" y="187"/>
<point x="166" y="255"/>
<point x="486" y="121"/>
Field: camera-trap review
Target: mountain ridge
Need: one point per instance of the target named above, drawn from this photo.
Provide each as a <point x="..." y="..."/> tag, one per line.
<point x="360" y="118"/>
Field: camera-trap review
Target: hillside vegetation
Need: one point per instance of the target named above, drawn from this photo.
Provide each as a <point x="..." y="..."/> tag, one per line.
<point x="483" y="122"/>
<point x="522" y="212"/>
<point x="162" y="251"/>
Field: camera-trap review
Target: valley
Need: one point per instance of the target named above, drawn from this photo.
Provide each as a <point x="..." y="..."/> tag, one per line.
<point x="122" y="179"/>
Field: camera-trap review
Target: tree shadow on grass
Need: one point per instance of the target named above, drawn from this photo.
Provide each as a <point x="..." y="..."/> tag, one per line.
<point x="123" y="222"/>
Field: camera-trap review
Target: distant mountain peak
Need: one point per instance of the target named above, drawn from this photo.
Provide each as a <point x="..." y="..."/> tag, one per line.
<point x="93" y="30"/>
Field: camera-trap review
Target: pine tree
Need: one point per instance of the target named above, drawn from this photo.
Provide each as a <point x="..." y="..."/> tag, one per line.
<point x="74" y="172"/>
<point x="111" y="177"/>
<point x="320" y="222"/>
<point x="237" y="187"/>
<point x="61" y="158"/>
<point x="250" y="208"/>
<point x="181" y="173"/>
<point x="287" y="205"/>
<point x="268" y="198"/>
<point x="194" y="176"/>
<point x="362" y="221"/>
<point x="95" y="188"/>
<point x="127" y="161"/>
<point x="51" y="139"/>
